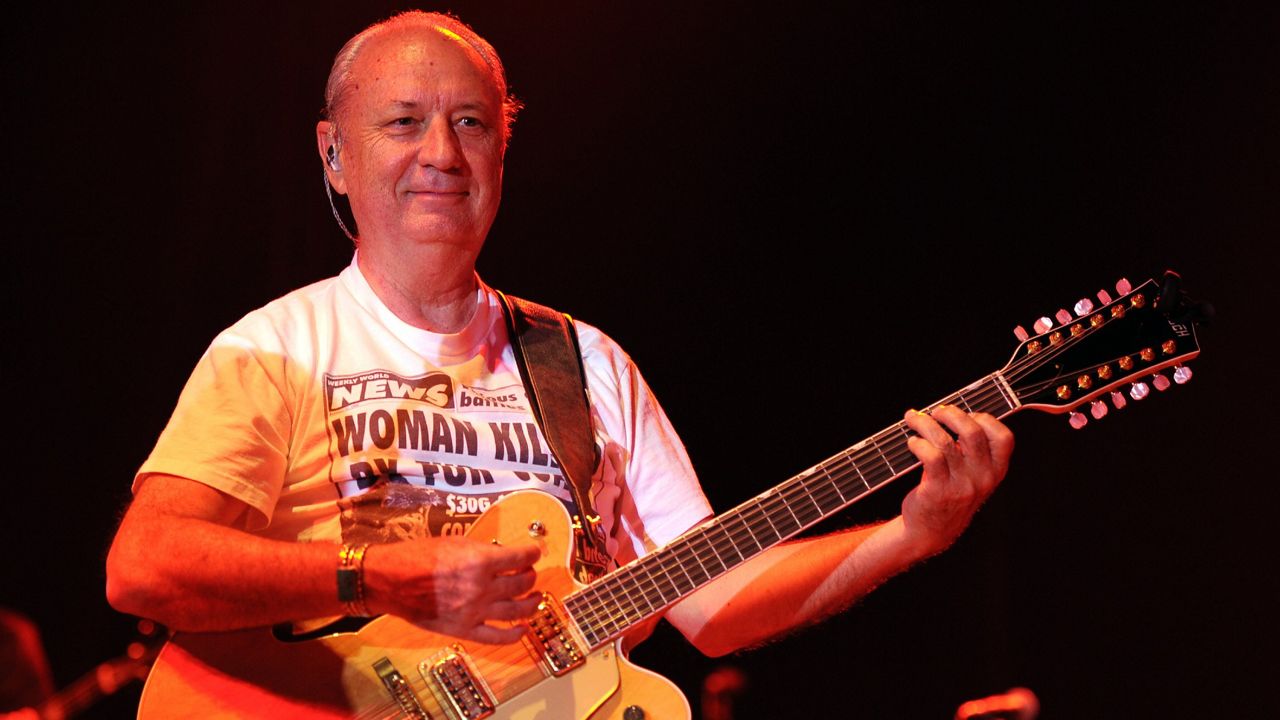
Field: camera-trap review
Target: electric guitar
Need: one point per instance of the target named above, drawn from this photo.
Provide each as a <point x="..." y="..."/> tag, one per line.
<point x="572" y="663"/>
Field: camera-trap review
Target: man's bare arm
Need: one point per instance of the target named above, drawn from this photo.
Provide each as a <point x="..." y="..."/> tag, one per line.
<point x="802" y="582"/>
<point x="177" y="559"/>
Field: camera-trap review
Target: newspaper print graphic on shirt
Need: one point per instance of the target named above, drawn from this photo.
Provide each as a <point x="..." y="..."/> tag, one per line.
<point x="426" y="455"/>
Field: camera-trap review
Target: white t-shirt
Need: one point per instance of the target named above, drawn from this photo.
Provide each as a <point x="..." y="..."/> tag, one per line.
<point x="332" y="419"/>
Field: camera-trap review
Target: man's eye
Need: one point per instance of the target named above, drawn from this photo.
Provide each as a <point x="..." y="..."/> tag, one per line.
<point x="470" y="122"/>
<point x="403" y="122"/>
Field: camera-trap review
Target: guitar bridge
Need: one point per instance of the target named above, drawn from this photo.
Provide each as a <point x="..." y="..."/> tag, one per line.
<point x="550" y="634"/>
<point x="461" y="691"/>
<point x="400" y="690"/>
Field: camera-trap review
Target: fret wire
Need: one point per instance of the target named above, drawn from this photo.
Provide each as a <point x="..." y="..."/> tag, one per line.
<point x="618" y="593"/>
<point x="629" y="585"/>
<point x="776" y="511"/>
<point x="591" y="605"/>
<point x="824" y="482"/>
<point x="777" y="536"/>
<point x="641" y="588"/>
<point x="739" y="534"/>
<point x="709" y="543"/>
<point x="821" y="493"/>
<point x="609" y="618"/>
<point x="832" y="499"/>
<point x="716" y="543"/>
<point x="854" y="485"/>
<point x="657" y="581"/>
<point x="681" y="564"/>
<point x="907" y="433"/>
<point x="804" y="485"/>
<point x="798" y="491"/>
<point x="755" y="540"/>
<point x="724" y="532"/>
<point x="666" y="571"/>
<point x="843" y="499"/>
<point x="693" y="551"/>
<point x="892" y="471"/>
<point x="799" y="511"/>
<point x="849" y="459"/>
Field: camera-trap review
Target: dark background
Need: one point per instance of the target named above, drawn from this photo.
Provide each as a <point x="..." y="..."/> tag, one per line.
<point x="799" y="222"/>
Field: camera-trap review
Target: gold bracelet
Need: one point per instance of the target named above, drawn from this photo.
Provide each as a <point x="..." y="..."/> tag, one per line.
<point x="351" y="580"/>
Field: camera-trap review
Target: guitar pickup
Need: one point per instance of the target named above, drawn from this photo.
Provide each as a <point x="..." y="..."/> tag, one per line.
<point x="552" y="639"/>
<point x="461" y="691"/>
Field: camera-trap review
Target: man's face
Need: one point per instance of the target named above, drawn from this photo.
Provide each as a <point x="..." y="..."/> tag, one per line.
<point x="421" y="141"/>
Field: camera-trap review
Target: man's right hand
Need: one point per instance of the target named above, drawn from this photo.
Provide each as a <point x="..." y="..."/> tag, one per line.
<point x="453" y="585"/>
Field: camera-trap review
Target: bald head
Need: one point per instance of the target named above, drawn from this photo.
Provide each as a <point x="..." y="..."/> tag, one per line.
<point x="339" y="88"/>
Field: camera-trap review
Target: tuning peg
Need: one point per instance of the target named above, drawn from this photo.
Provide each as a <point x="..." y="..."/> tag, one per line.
<point x="1160" y="382"/>
<point x="1083" y="307"/>
<point x="1104" y="297"/>
<point x="1077" y="420"/>
<point x="1139" y="390"/>
<point x="1123" y="287"/>
<point x="1063" y="317"/>
<point x="1118" y="400"/>
<point x="1042" y="325"/>
<point x="1021" y="333"/>
<point x="1181" y="374"/>
<point x="1098" y="409"/>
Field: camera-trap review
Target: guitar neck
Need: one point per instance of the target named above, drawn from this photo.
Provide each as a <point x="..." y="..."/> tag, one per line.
<point x="611" y="606"/>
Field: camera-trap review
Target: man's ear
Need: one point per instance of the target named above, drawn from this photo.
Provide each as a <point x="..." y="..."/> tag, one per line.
<point x="330" y="154"/>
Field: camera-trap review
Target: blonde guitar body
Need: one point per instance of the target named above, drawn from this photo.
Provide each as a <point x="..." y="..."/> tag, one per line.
<point x="391" y="668"/>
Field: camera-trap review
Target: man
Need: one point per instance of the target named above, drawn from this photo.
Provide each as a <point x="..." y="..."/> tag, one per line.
<point x="382" y="409"/>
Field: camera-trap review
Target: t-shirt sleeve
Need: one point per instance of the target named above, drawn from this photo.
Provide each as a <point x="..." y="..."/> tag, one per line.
<point x="660" y="497"/>
<point x="230" y="428"/>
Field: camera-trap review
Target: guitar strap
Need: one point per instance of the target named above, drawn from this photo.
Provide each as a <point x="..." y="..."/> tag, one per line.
<point x="546" y="350"/>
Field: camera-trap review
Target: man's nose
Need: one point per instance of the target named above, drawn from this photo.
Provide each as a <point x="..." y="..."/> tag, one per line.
<point x="440" y="147"/>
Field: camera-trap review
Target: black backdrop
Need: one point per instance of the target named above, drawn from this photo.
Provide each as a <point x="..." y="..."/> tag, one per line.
<point x="799" y="223"/>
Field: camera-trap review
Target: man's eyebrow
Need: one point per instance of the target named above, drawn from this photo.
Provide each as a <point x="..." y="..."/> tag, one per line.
<point x="414" y="105"/>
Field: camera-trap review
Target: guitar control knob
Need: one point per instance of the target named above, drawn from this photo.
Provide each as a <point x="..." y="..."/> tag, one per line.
<point x="1139" y="390"/>
<point x="1098" y="409"/>
<point x="1160" y="381"/>
<point x="1083" y="307"/>
<point x="633" y="712"/>
<point x="1063" y="317"/>
<point x="1042" y="325"/>
<point x="1077" y="420"/>
<point x="1021" y="333"/>
<point x="1181" y="374"/>
<point x="1118" y="400"/>
<point x="1123" y="286"/>
<point x="1104" y="297"/>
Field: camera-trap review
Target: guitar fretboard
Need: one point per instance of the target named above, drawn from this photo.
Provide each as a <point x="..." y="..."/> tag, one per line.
<point x="610" y="606"/>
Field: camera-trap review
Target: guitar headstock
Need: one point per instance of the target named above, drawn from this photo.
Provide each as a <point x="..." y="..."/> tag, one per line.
<point x="1107" y="354"/>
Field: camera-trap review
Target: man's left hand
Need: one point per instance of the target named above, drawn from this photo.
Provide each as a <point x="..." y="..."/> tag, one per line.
<point x="960" y="472"/>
